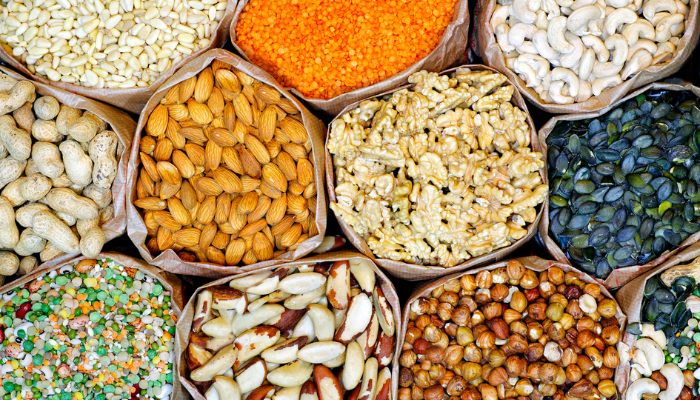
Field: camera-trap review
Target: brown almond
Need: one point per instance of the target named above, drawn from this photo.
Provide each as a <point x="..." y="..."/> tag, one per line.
<point x="302" y="238"/>
<point x="313" y="229"/>
<point x="229" y="117"/>
<point x="223" y="208"/>
<point x="178" y="211"/>
<point x="295" y="188"/>
<point x="187" y="237"/>
<point x="235" y="251"/>
<point x="228" y="229"/>
<point x="168" y="190"/>
<point x="150" y="203"/>
<point x="277" y="210"/>
<point x="178" y="112"/>
<point x="237" y="221"/>
<point x="152" y="244"/>
<point x="172" y="97"/>
<point x="254" y="112"/>
<point x="157" y="121"/>
<point x="149" y="165"/>
<point x="288" y="106"/>
<point x="187" y="89"/>
<point x="294" y="129"/>
<point x="310" y="190"/>
<point x="273" y="147"/>
<point x="281" y="137"/>
<point x="305" y="172"/>
<point x="215" y="256"/>
<point x="229" y="182"/>
<point x="230" y="157"/>
<point x="141" y="190"/>
<point x="262" y="247"/>
<point x="260" y="209"/>
<point x="164" y="238"/>
<point x="295" y="150"/>
<point x="270" y="191"/>
<point x="164" y="219"/>
<point x="163" y="150"/>
<point x="199" y="112"/>
<point x="249" y="258"/>
<point x="207" y="235"/>
<point x="194" y="134"/>
<point x="228" y="81"/>
<point x="208" y="186"/>
<point x="205" y="84"/>
<point x="286" y="223"/>
<point x="249" y="184"/>
<point x="195" y="153"/>
<point x="220" y="240"/>
<point x="290" y="236"/>
<point x="174" y="135"/>
<point x="268" y="233"/>
<point x="183" y="164"/>
<point x="296" y="204"/>
<point x="267" y="124"/>
<point x="272" y="175"/>
<point x="147" y="144"/>
<point x="243" y="111"/>
<point x="267" y="94"/>
<point x="150" y="223"/>
<point x="217" y="122"/>
<point x="258" y="149"/>
<point x="253" y="228"/>
<point x="188" y="197"/>
<point x="207" y="210"/>
<point x="218" y="64"/>
<point x="251" y="166"/>
<point x="216" y="102"/>
<point x="193" y="181"/>
<point x="212" y="155"/>
<point x="147" y="183"/>
<point x="223" y="137"/>
<point x="239" y="131"/>
<point x="248" y="203"/>
<point x="168" y="172"/>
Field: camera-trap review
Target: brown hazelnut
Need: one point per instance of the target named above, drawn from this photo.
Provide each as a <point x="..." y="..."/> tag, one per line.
<point x="688" y="378"/>
<point x="548" y="390"/>
<point x="408" y="359"/>
<point x="405" y="377"/>
<point x="566" y="321"/>
<point x="606" y="322"/>
<point x="534" y="352"/>
<point x="510" y="315"/>
<point x="486" y="340"/>
<point x="592" y="289"/>
<point x="437" y="292"/>
<point x="464" y="336"/>
<point x="471" y="370"/>
<point x="610" y="335"/>
<point x="499" y="328"/>
<point x="484" y="280"/>
<point x="472" y="353"/>
<point x="488" y="392"/>
<point x="532" y="294"/>
<point x="548" y="373"/>
<point x="611" y="358"/>
<point x="434" y="392"/>
<point x="547" y="289"/>
<point x="449" y="297"/>
<point x="595" y="356"/>
<point x="534" y="331"/>
<point x="420" y="346"/>
<point x="453" y="354"/>
<point x="606" y="373"/>
<point x="571" y="336"/>
<point x="515" y="270"/>
<point x="517" y="343"/>
<point x="461" y="315"/>
<point x="569" y="357"/>
<point x="468" y="283"/>
<point x="499" y="275"/>
<point x="529" y="280"/>
<point x="437" y="372"/>
<point x="437" y="321"/>
<point x="582" y="389"/>
<point x="435" y="354"/>
<point x="556" y="332"/>
<point x="559" y="298"/>
<point x="456" y="386"/>
<point x="524" y="387"/>
<point x="486" y="371"/>
<point x="555" y="311"/>
<point x="431" y="333"/>
<point x="573" y="292"/>
<point x="607" y="308"/>
<point x="599" y="344"/>
<point x="478" y="318"/>
<point x="451" y="329"/>
<point x="469" y="302"/>
<point x="585" y="339"/>
<point x="574" y="309"/>
<point x="404" y="393"/>
<point x="493" y="310"/>
<point x="444" y="311"/>
<point x="446" y="378"/>
<point x="573" y="373"/>
<point x="498" y="376"/>
<point x="571" y="278"/>
<point x="496" y="358"/>
<point x="518" y="327"/>
<point x="452" y="285"/>
<point x="482" y="296"/>
<point x="422" y="321"/>
<point x="499" y="292"/>
<point x="686" y="394"/>
<point x="518" y="302"/>
<point x="533" y="370"/>
<point x="471" y="393"/>
<point x="416" y="393"/>
<point x="593" y="377"/>
<point x="421" y="378"/>
<point x="537" y="311"/>
<point x="584" y="363"/>
<point x="607" y="388"/>
<point x="556" y="275"/>
<point x="412" y="334"/>
<point x="515" y="365"/>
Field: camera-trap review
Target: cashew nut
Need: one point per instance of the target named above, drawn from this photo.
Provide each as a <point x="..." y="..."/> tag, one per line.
<point x="500" y="16"/>
<point x="578" y="20"/>
<point x="556" y="92"/>
<point x="560" y="77"/>
<point x="585" y="66"/>
<point x="526" y="73"/>
<point x="652" y="352"/>
<point x="555" y="35"/>
<point x="641" y="28"/>
<point x="617" y="43"/>
<point x="669" y="26"/>
<point x="524" y="10"/>
<point x="663" y="48"/>
<point x="640" y="387"/>
<point x="595" y="43"/>
<point x="502" y="38"/>
<point x="640" y="60"/>
<point x="601" y="84"/>
<point x="642" y="44"/>
<point x="519" y="33"/>
<point x="539" y="39"/>
<point x="617" y="18"/>
<point x="570" y="59"/>
<point x="674" y="379"/>
<point x="584" y="91"/>
<point x="652" y="7"/>
<point x="617" y="3"/>
<point x="552" y="8"/>
<point x="582" y="3"/>
<point x="542" y="21"/>
<point x="537" y="63"/>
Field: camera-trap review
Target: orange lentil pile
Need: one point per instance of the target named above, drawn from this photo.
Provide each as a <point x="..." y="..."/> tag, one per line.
<point x="324" y="48"/>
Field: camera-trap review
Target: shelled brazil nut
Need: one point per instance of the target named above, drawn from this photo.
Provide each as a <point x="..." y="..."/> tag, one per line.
<point x="624" y="186"/>
<point x="437" y="173"/>
<point x="90" y="329"/>
<point x="318" y="330"/>
<point x="510" y="332"/>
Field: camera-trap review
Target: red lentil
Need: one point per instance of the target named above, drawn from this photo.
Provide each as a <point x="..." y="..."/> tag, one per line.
<point x="324" y="48"/>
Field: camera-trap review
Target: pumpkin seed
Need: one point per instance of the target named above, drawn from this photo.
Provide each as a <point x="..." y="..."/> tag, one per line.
<point x="626" y="234"/>
<point x="584" y="187"/>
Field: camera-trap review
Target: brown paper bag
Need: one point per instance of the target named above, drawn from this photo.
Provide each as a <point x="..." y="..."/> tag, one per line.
<point x="493" y="56"/>
<point x="122" y="125"/>
<point x="414" y="272"/>
<point x="453" y="43"/>
<point x="184" y="325"/>
<point x="169" y="260"/>
<point x="170" y="282"/>
<point x="134" y="99"/>
<point x="534" y="263"/>
<point x="619" y="276"/>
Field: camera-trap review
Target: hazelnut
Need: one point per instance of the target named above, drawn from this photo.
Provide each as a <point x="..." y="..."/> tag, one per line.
<point x="499" y="328"/>
<point x="499" y="292"/>
<point x="486" y="371"/>
<point x="405" y="377"/>
<point x="498" y="376"/>
<point x="437" y="292"/>
<point x="573" y="373"/>
<point x="555" y="275"/>
<point x="412" y="334"/>
<point x="559" y="298"/>
<point x="555" y="312"/>
<point x="686" y="394"/>
<point x="434" y="392"/>
<point x="607" y="308"/>
<point x="422" y="321"/>
<point x="488" y="392"/>
<point x="599" y="344"/>
<point x="444" y="311"/>
<point x="533" y="370"/>
<point x="515" y="270"/>
<point x="453" y="354"/>
<point x="477" y="318"/>
<point x="566" y="321"/>
<point x="556" y="332"/>
<point x="517" y="343"/>
<point x="547" y="289"/>
<point x="568" y="357"/>
<point x="611" y="358"/>
<point x="496" y="358"/>
<point x="493" y="310"/>
<point x="452" y="285"/>
<point x="524" y="387"/>
<point x="688" y="378"/>
<point x="435" y="354"/>
<point x="471" y="393"/>
<point x="468" y="283"/>
<point x="532" y="294"/>
<point x="484" y="280"/>
<point x="582" y="389"/>
<point x="529" y="280"/>
<point x="460" y="315"/>
<point x="471" y="371"/>
<point x="584" y="363"/>
<point x="585" y="324"/>
<point x="421" y="378"/>
<point x="515" y="365"/>
<point x="588" y="304"/>
<point x="518" y="302"/>
<point x="437" y="321"/>
<point x="573" y="292"/>
<point x="450" y="298"/>
<point x="408" y="359"/>
<point x="534" y="352"/>
<point x="548" y="373"/>
<point x="518" y="327"/>
<point x="548" y="390"/>
<point x="606" y="373"/>
<point x="593" y="377"/>
<point x="420" y="346"/>
<point x="510" y="315"/>
<point x="446" y="378"/>
<point x="464" y="336"/>
<point x="483" y="296"/>
<point x="404" y="393"/>
<point x="610" y="335"/>
<point x="534" y="331"/>
<point x="574" y="309"/>
<point x="571" y="278"/>
<point x="451" y="329"/>
<point x="592" y="289"/>
<point x="416" y="393"/>
<point x="552" y="352"/>
<point x="537" y="311"/>
<point x="472" y="353"/>
<point x="437" y="372"/>
<point x="499" y="275"/>
<point x="585" y="339"/>
<point x="431" y="333"/>
<point x="456" y="386"/>
<point x="486" y="340"/>
<point x="606" y="322"/>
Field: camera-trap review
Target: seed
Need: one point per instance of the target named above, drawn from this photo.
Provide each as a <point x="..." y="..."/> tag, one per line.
<point x="579" y="221"/>
<point x="584" y="187"/>
<point x="580" y="241"/>
<point x="599" y="236"/>
<point x="660" y="111"/>
<point x="625" y="235"/>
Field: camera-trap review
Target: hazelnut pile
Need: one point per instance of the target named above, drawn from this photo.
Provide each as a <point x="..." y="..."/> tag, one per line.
<point x="511" y="333"/>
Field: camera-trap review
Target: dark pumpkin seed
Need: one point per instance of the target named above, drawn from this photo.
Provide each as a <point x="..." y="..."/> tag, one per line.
<point x="614" y="193"/>
<point x="626" y="234"/>
<point x="599" y="236"/>
<point x="607" y="155"/>
<point x="584" y="187"/>
<point x="660" y="110"/>
<point x="579" y="221"/>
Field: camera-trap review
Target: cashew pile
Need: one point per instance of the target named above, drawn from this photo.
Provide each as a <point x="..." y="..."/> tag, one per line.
<point x="438" y="173"/>
<point x="648" y="357"/>
<point x="570" y="50"/>
<point x="57" y="166"/>
<point x="112" y="44"/>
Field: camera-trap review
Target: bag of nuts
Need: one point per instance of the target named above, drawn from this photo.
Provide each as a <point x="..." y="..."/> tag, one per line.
<point x="228" y="172"/>
<point x="450" y="47"/>
<point x="523" y="328"/>
<point x="342" y="307"/>
<point x="667" y="222"/>
<point x="602" y="36"/>
<point x="52" y="132"/>
<point x="456" y="187"/>
<point x="154" y="41"/>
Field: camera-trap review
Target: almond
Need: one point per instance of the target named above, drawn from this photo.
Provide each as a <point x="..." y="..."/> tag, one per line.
<point x="248" y="203"/>
<point x="205" y="84"/>
<point x="215" y="256"/>
<point x="141" y="190"/>
<point x="157" y="121"/>
<point x="168" y="172"/>
<point x="270" y="191"/>
<point x="272" y="175"/>
<point x="230" y="157"/>
<point x="207" y="210"/>
<point x="223" y="137"/>
<point x="195" y="153"/>
<point x="164" y="219"/>
<point x="277" y="210"/>
<point x="267" y="94"/>
<point x="228" y="81"/>
<point x="262" y="247"/>
<point x="150" y="222"/>
<point x="258" y="149"/>
<point x="167" y="190"/>
<point x="229" y="117"/>
<point x="178" y="112"/>
<point x="149" y="166"/>
<point x="187" y="89"/>
<point x="150" y="203"/>
<point x="229" y="182"/>
<point x="163" y="150"/>
<point x="250" y="163"/>
<point x="281" y="137"/>
<point x="178" y="211"/>
<point x="187" y="237"/>
<point x="173" y="133"/>
<point x="216" y="102"/>
<point x="235" y="251"/>
<point x="217" y="64"/>
<point x="187" y="195"/>
<point x="288" y="106"/>
<point x="295" y="188"/>
<point x="194" y="134"/>
<point x="217" y="122"/>
<point x="250" y="184"/>
<point x="310" y="191"/>
<point x="237" y="221"/>
<point x="223" y="208"/>
<point x="147" y="144"/>
<point x="208" y="186"/>
<point x="147" y="183"/>
<point x="243" y="111"/>
<point x="305" y="172"/>
<point x="294" y="129"/>
<point x="220" y="240"/>
<point x="207" y="236"/>
<point x="282" y="226"/>
<point x="260" y="209"/>
<point x="249" y="257"/>
<point x="199" y="112"/>
<point x="295" y="150"/>
<point x="253" y="228"/>
<point x="183" y="164"/>
<point x="172" y="97"/>
<point x="212" y="155"/>
<point x="164" y="238"/>
<point x="291" y="235"/>
<point x="267" y="124"/>
<point x="273" y="147"/>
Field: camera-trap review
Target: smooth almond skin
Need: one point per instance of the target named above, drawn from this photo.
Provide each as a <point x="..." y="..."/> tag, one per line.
<point x="222" y="360"/>
<point x="327" y="384"/>
<point x="338" y="288"/>
<point x="302" y="282"/>
<point x="321" y="352"/>
<point x="356" y="320"/>
<point x="362" y="270"/>
<point x="323" y="320"/>
<point x="284" y="352"/>
<point x="354" y="366"/>
<point x="243" y="322"/>
<point x="386" y="317"/>
<point x="254" y="341"/>
<point x="292" y="374"/>
<point x="251" y="376"/>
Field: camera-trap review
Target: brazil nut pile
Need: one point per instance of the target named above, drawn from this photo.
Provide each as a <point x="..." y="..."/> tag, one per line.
<point x="511" y="333"/>
<point x="288" y="332"/>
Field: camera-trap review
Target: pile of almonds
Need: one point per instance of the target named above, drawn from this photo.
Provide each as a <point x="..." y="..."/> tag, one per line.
<point x="510" y="333"/>
<point x="226" y="171"/>
<point x="310" y="332"/>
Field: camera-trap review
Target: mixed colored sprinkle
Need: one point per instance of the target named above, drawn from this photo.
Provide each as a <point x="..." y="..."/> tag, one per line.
<point x="93" y="329"/>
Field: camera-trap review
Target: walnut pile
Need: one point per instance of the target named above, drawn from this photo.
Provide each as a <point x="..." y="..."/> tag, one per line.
<point x="438" y="173"/>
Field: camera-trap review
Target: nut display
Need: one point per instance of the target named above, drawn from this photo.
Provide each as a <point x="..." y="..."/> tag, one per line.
<point x="438" y="173"/>
<point x="304" y="48"/>
<point x="568" y="51"/>
<point x="631" y="174"/>
<point x="551" y="336"/>
<point x="288" y="331"/>
<point x="117" y="44"/>
<point x="226" y="171"/>
<point x="89" y="329"/>
<point x="57" y="167"/>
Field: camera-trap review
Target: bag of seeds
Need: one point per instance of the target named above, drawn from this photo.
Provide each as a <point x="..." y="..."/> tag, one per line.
<point x="332" y="57"/>
<point x="91" y="327"/>
<point x="524" y="327"/>
<point x="663" y="308"/>
<point x="45" y="126"/>
<point x="340" y="300"/>
<point x="227" y="176"/>
<point x="642" y="153"/>
<point x="395" y="200"/>
<point x="579" y="69"/>
<point x="125" y="71"/>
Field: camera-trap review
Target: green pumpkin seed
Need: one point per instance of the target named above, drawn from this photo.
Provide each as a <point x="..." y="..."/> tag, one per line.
<point x="636" y="181"/>
<point x="584" y="187"/>
<point x="580" y="241"/>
